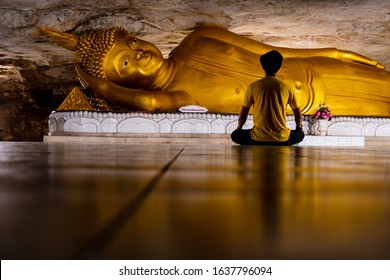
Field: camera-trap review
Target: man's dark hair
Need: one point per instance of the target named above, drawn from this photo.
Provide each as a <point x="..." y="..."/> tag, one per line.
<point x="271" y="61"/>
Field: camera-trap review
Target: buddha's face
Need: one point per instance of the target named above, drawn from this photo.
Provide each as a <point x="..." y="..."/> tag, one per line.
<point x="132" y="62"/>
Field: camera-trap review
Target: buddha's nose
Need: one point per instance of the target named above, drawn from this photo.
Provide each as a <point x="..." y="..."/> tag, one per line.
<point x="138" y="55"/>
<point x="141" y="54"/>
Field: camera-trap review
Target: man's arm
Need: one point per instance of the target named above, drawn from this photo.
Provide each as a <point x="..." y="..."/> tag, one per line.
<point x="242" y="117"/>
<point x="298" y="118"/>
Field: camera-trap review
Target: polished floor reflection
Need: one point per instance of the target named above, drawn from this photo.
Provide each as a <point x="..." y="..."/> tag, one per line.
<point x="90" y="201"/>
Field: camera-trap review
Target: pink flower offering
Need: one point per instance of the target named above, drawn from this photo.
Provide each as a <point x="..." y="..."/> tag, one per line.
<point x="322" y="113"/>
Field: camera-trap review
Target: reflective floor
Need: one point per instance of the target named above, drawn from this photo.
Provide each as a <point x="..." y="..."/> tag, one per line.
<point x="90" y="201"/>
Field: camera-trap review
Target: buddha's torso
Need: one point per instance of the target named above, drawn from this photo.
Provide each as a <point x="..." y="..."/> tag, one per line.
<point x="219" y="82"/>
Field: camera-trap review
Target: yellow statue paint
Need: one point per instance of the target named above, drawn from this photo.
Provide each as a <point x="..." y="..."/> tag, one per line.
<point x="212" y="67"/>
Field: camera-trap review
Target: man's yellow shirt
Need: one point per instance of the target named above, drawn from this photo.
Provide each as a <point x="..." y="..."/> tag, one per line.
<point x="270" y="97"/>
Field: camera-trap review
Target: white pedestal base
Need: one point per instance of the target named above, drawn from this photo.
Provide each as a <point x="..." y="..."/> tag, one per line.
<point x="87" y="126"/>
<point x="198" y="123"/>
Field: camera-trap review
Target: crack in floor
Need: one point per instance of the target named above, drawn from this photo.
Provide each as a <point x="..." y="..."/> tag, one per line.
<point x="96" y="245"/>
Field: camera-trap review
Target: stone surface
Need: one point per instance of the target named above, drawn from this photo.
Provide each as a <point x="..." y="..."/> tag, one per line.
<point x="35" y="75"/>
<point x="67" y="201"/>
<point x="190" y="138"/>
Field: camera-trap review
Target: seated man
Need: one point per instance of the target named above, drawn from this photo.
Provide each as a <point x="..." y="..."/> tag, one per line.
<point x="269" y="97"/>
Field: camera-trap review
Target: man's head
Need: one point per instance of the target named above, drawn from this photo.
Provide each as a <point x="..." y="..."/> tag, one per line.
<point x="271" y="62"/>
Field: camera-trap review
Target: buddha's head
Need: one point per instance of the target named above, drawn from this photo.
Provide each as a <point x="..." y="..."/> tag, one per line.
<point x="113" y="54"/>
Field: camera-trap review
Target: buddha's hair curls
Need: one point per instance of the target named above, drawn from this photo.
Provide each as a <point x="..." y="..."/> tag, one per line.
<point x="93" y="48"/>
<point x="90" y="49"/>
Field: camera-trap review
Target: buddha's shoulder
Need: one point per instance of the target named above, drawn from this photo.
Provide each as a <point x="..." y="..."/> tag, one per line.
<point x="208" y="32"/>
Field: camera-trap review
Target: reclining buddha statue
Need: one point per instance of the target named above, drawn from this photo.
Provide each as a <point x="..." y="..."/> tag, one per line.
<point x="212" y="68"/>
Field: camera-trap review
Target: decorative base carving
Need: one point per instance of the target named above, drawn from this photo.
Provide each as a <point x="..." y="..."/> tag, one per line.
<point x="77" y="99"/>
<point x="137" y="122"/>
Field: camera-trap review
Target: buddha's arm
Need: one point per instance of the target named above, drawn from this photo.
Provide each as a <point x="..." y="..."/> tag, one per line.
<point x="227" y="37"/>
<point x="332" y="53"/>
<point x="133" y="98"/>
<point x="347" y="55"/>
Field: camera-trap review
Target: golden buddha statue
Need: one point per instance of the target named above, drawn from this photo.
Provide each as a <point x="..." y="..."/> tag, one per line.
<point x="212" y="67"/>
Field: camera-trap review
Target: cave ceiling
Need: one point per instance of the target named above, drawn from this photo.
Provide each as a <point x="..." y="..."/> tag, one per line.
<point x="360" y="26"/>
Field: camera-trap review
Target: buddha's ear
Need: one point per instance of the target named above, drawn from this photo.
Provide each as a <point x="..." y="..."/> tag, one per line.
<point x="67" y="40"/>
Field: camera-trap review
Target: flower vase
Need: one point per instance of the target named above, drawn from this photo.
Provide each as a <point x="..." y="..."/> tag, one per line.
<point x="322" y="126"/>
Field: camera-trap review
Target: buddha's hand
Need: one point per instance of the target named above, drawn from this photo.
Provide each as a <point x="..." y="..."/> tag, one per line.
<point x="82" y="77"/>
<point x="94" y="84"/>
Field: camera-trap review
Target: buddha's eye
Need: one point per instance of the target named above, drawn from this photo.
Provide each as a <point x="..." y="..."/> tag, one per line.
<point x="133" y="40"/>
<point x="125" y="64"/>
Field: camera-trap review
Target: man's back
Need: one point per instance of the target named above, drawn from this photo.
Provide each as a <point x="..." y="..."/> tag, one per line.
<point x="269" y="97"/>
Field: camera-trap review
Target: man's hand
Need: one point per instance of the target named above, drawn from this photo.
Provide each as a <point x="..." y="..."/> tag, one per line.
<point x="242" y="117"/>
<point x="298" y="118"/>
